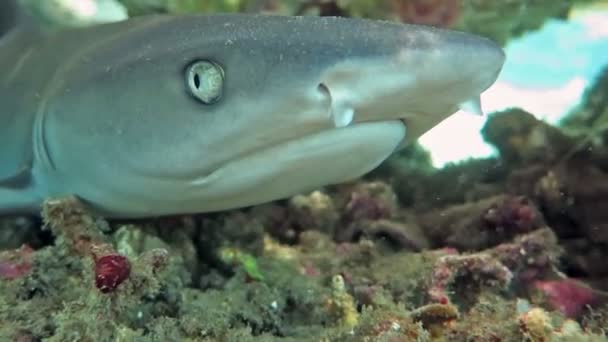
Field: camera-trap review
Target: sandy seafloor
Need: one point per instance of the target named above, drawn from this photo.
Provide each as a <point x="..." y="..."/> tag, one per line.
<point x="511" y="247"/>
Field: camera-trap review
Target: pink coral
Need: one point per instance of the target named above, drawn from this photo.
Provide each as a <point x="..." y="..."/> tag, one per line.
<point x="16" y="263"/>
<point x="513" y="215"/>
<point x="366" y="207"/>
<point x="482" y="266"/>
<point x="567" y="296"/>
<point x="443" y="13"/>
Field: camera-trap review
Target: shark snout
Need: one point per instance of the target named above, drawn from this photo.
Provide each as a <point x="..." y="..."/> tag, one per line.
<point x="483" y="59"/>
<point x="434" y="80"/>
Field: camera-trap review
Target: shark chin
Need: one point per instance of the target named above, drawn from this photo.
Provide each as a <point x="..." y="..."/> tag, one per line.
<point x="298" y="165"/>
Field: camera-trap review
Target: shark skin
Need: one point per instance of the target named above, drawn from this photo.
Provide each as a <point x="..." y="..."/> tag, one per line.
<point x="104" y="113"/>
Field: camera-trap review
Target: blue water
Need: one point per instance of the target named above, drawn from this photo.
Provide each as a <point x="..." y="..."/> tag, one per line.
<point x="552" y="56"/>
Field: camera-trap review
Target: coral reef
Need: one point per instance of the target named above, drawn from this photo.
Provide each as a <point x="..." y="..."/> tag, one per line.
<point x="16" y="263"/>
<point x="238" y="289"/>
<point x="500" y="20"/>
<point x="68" y="13"/>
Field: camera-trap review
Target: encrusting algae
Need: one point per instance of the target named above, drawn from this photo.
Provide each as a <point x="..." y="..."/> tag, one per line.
<point x="342" y="304"/>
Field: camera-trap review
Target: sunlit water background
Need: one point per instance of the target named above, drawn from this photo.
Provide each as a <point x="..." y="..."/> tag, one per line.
<point x="546" y="73"/>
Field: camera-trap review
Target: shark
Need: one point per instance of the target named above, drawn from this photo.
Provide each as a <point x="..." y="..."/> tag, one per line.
<point x="179" y="114"/>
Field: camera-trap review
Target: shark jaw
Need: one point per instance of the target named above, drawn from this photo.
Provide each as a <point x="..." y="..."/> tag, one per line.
<point x="303" y="164"/>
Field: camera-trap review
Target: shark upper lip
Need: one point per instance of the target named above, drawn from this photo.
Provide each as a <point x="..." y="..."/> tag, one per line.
<point x="351" y="123"/>
<point x="354" y="126"/>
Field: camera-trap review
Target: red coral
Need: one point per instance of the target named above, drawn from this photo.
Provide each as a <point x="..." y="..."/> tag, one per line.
<point x="567" y="296"/>
<point x="110" y="271"/>
<point x="442" y="13"/>
<point x="482" y="266"/>
<point x="17" y="263"/>
<point x="513" y="215"/>
<point x="366" y="207"/>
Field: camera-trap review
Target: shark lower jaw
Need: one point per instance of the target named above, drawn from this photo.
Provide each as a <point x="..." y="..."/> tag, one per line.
<point x="301" y="164"/>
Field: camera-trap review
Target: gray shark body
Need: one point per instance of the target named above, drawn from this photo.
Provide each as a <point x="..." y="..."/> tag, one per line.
<point x="104" y="113"/>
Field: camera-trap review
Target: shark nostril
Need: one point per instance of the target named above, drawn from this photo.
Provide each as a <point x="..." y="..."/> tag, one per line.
<point x="325" y="97"/>
<point x="341" y="114"/>
<point x="322" y="88"/>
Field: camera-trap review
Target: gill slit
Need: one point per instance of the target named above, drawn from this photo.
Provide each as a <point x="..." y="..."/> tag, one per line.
<point x="40" y="144"/>
<point x="18" y="65"/>
<point x="41" y="152"/>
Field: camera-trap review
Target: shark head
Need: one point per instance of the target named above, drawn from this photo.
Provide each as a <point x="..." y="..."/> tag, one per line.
<point x="205" y="113"/>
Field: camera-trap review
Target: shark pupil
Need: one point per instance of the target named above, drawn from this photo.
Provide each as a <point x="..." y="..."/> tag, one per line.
<point x="205" y="81"/>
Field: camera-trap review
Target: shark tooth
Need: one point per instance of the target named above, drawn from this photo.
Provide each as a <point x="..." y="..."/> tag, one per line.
<point x="472" y="106"/>
<point x="342" y="116"/>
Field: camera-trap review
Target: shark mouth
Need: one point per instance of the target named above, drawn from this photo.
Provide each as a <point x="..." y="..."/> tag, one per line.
<point x="301" y="164"/>
<point x="343" y="114"/>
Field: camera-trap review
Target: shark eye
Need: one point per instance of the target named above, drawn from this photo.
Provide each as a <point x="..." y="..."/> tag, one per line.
<point x="205" y="81"/>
